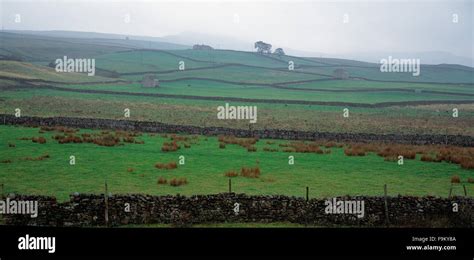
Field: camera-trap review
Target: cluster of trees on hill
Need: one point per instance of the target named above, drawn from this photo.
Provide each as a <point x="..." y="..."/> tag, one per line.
<point x="279" y="52"/>
<point x="262" y="48"/>
<point x="266" y="48"/>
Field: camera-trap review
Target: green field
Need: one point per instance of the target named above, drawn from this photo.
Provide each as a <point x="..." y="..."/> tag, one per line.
<point x="28" y="71"/>
<point x="213" y="89"/>
<point x="408" y="119"/>
<point x="205" y="164"/>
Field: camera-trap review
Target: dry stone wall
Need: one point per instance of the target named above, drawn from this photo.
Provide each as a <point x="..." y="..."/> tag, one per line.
<point x="145" y="126"/>
<point x="89" y="210"/>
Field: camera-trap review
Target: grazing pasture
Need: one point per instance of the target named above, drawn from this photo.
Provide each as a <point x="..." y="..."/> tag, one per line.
<point x="142" y="166"/>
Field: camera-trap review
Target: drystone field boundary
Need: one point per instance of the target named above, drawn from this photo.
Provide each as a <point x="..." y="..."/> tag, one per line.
<point x="89" y="210"/>
<point x="27" y="85"/>
<point x="157" y="127"/>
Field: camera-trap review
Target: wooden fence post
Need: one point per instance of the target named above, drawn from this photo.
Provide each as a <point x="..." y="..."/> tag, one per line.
<point x="230" y="185"/>
<point x="307" y="193"/>
<point x="387" y="221"/>
<point x="106" y="198"/>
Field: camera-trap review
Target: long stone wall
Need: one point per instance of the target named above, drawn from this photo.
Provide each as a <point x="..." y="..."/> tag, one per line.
<point x="89" y="210"/>
<point x="157" y="127"/>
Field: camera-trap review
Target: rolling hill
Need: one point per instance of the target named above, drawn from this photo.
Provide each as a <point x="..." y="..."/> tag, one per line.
<point x="310" y="90"/>
<point x="44" y="48"/>
<point x="27" y="72"/>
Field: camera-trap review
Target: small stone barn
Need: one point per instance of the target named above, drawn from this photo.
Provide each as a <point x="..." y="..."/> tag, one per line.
<point x="340" y="74"/>
<point x="150" y="81"/>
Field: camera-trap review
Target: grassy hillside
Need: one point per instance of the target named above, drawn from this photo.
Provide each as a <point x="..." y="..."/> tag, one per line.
<point x="108" y="38"/>
<point x="428" y="73"/>
<point x="38" y="48"/>
<point x="208" y="88"/>
<point x="28" y="71"/>
<point x="144" y="61"/>
<point x="246" y="63"/>
<point x="31" y="47"/>
<point x="235" y="75"/>
<point x="250" y="75"/>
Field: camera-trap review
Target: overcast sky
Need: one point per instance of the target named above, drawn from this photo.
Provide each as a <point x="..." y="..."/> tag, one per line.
<point x="317" y="26"/>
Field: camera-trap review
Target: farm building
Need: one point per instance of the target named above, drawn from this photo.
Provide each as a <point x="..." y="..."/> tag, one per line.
<point x="202" y="47"/>
<point x="150" y="81"/>
<point x="340" y="74"/>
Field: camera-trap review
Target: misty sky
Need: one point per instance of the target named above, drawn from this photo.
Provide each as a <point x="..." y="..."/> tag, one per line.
<point x="317" y="26"/>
